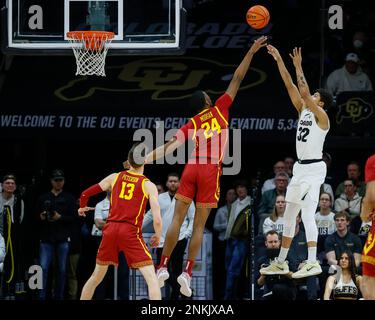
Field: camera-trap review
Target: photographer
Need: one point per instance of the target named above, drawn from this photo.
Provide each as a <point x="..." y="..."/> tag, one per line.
<point x="57" y="212"/>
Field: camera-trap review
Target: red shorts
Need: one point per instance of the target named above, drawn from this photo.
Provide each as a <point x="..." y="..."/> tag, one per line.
<point x="201" y="181"/>
<point x="370" y="169"/>
<point x="122" y="236"/>
<point x="368" y="254"/>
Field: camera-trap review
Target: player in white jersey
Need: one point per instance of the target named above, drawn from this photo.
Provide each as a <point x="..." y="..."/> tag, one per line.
<point x="308" y="172"/>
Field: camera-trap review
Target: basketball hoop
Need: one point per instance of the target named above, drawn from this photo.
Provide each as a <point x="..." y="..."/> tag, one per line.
<point x="90" y="49"/>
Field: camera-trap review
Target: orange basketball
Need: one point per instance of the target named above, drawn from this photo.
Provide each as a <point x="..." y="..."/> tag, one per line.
<point x="257" y="17"/>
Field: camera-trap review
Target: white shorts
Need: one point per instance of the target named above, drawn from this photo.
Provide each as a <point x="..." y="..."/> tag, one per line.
<point x="304" y="187"/>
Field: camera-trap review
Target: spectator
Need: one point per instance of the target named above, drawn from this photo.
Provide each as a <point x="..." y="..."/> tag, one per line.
<point x="274" y="287"/>
<point x="57" y="211"/>
<point x="326" y="188"/>
<point x="349" y="200"/>
<point x="324" y="218"/>
<point x="268" y="199"/>
<point x="167" y="204"/>
<point x="346" y="282"/>
<point x="160" y="187"/>
<point x="348" y="78"/>
<point x="12" y="230"/>
<point x="218" y="257"/>
<point x="342" y="240"/>
<point x="276" y="220"/>
<point x="353" y="172"/>
<point x="269" y="184"/>
<point x="236" y="236"/>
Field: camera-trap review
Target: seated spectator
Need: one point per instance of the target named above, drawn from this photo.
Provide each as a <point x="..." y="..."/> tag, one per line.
<point x="276" y="220"/>
<point x="349" y="200"/>
<point x="269" y="184"/>
<point x="348" y="78"/>
<point x="345" y="284"/>
<point x="324" y="218"/>
<point x="273" y="287"/>
<point x="268" y="199"/>
<point x="342" y="240"/>
<point x="326" y="188"/>
<point x="297" y="255"/>
<point x="354" y="173"/>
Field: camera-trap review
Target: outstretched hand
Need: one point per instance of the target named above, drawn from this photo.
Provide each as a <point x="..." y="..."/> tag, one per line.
<point x="258" y="43"/>
<point x="296" y="57"/>
<point x="82" y="211"/>
<point x="273" y="52"/>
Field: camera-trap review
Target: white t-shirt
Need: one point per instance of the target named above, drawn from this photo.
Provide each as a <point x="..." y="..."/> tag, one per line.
<point x="325" y="223"/>
<point x="277" y="225"/>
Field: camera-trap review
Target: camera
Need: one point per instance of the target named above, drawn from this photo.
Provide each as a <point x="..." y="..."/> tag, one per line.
<point x="48" y="209"/>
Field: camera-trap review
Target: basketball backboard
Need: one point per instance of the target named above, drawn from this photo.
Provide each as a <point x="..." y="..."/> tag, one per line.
<point x="140" y="26"/>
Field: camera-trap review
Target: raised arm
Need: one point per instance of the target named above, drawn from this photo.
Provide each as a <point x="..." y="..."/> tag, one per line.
<point x="293" y="92"/>
<point x="242" y="69"/>
<point x="304" y="90"/>
<point x="152" y="193"/>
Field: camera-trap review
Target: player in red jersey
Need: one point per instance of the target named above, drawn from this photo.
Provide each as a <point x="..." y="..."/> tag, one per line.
<point x="200" y="179"/>
<point x="367" y="214"/>
<point x="130" y="191"/>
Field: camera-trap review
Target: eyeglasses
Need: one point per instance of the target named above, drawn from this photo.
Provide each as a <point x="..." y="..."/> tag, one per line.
<point x="58" y="180"/>
<point x="325" y="199"/>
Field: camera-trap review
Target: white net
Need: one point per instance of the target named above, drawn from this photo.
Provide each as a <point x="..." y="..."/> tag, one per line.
<point x="90" y="50"/>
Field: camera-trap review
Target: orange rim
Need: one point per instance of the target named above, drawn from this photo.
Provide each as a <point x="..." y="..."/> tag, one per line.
<point x="90" y="34"/>
<point x="93" y="39"/>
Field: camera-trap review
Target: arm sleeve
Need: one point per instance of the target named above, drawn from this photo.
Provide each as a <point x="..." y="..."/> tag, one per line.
<point x="86" y="194"/>
<point x="185" y="132"/>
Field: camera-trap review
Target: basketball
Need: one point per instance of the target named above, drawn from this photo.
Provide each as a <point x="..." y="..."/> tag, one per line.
<point x="258" y="17"/>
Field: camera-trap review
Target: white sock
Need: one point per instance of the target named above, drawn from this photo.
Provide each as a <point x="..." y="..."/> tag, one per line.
<point x="311" y="256"/>
<point x="282" y="255"/>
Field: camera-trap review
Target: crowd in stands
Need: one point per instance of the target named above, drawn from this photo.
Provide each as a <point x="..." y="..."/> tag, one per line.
<point x="48" y="232"/>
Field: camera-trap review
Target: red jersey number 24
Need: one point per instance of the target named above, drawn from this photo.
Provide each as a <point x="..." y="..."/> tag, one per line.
<point x="209" y="128"/>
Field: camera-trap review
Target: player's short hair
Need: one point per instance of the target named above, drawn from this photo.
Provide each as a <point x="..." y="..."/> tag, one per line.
<point x="197" y="100"/>
<point x="137" y="154"/>
<point x="326" y="98"/>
